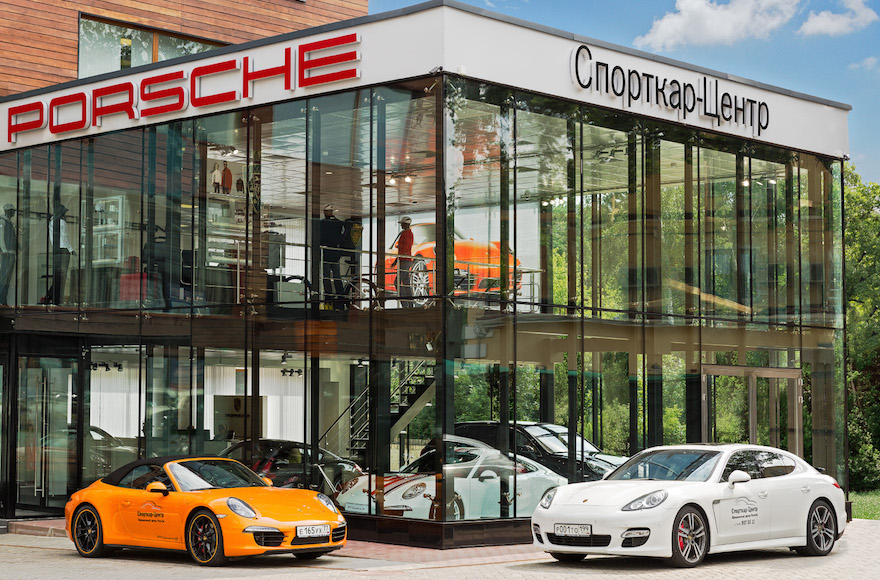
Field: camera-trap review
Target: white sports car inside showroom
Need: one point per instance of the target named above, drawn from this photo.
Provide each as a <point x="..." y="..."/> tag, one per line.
<point x="683" y="502"/>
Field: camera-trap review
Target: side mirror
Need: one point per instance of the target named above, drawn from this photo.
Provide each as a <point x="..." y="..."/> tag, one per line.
<point x="488" y="475"/>
<point x="267" y="481"/>
<point x="157" y="487"/>
<point x="526" y="450"/>
<point x="738" y="476"/>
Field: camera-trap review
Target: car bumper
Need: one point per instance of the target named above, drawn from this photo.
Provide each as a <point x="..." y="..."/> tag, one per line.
<point x="614" y="532"/>
<point x="252" y="537"/>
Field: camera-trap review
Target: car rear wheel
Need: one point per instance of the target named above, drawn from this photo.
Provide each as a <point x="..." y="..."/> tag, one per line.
<point x="821" y="530"/>
<point x="204" y="540"/>
<point x="88" y="537"/>
<point x="690" y="538"/>
<point x="565" y="557"/>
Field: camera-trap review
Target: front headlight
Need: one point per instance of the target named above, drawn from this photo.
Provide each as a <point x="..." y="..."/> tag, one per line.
<point x="647" y="502"/>
<point x="547" y="499"/>
<point x="414" y="491"/>
<point x="328" y="503"/>
<point x="239" y="507"/>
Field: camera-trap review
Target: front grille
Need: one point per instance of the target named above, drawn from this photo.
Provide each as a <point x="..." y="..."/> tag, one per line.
<point x="586" y="542"/>
<point x="316" y="540"/>
<point x="338" y="534"/>
<point x="268" y="539"/>
<point x="537" y="529"/>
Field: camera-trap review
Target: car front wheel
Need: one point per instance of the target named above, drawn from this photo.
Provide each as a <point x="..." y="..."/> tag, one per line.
<point x="821" y="530"/>
<point x="690" y="538"/>
<point x="88" y="537"/>
<point x="204" y="540"/>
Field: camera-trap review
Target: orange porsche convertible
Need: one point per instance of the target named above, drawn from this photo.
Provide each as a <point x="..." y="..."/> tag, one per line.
<point x="213" y="508"/>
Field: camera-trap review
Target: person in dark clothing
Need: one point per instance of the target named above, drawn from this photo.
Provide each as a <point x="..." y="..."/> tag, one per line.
<point x="332" y="234"/>
<point x="8" y="246"/>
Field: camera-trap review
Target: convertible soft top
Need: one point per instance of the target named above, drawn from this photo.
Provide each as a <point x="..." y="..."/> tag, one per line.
<point x="116" y="476"/>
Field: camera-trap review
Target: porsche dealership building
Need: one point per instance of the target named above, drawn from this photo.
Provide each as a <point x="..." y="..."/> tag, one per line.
<point x="214" y="250"/>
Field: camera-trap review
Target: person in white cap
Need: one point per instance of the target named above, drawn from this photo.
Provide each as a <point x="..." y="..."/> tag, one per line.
<point x="404" y="259"/>
<point x="8" y="245"/>
<point x="332" y="231"/>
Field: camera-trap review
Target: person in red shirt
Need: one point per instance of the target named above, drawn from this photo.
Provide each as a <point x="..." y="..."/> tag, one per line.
<point x="404" y="260"/>
<point x="227" y="179"/>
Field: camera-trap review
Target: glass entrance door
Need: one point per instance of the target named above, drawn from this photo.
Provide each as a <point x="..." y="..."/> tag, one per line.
<point x="756" y="405"/>
<point x="46" y="435"/>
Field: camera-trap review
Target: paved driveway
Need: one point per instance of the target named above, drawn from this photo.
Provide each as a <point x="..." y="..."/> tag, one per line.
<point x="856" y="557"/>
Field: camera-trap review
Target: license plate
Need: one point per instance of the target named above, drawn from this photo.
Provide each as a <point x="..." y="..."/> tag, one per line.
<point x="578" y="530"/>
<point x="312" y="531"/>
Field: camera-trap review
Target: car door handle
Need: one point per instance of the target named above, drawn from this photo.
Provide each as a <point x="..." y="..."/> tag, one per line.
<point x="126" y="503"/>
<point x="805" y="489"/>
<point x="762" y="494"/>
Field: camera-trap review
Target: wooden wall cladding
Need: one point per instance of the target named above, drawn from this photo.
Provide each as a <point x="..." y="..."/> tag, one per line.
<point x="39" y="45"/>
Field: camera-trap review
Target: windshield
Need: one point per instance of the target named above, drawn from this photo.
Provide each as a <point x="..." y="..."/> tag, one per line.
<point x="669" y="465"/>
<point x="547" y="440"/>
<point x="581" y="445"/>
<point x="212" y="474"/>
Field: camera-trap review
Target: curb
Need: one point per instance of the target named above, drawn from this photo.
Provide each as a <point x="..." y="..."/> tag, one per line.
<point x="46" y="528"/>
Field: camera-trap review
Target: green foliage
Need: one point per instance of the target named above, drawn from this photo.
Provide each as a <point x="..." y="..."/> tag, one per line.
<point x="864" y="467"/>
<point x="866" y="505"/>
<point x="862" y="248"/>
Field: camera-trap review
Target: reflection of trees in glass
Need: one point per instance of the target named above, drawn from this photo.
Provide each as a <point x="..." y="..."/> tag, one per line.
<point x="106" y="47"/>
<point x="730" y="398"/>
<point x="172" y="47"/>
<point x="674" y="387"/>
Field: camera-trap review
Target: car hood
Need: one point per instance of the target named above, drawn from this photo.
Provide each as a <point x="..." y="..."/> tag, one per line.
<point x="615" y="492"/>
<point x="274" y="502"/>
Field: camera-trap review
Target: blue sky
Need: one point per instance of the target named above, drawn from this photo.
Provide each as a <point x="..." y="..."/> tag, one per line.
<point x="825" y="48"/>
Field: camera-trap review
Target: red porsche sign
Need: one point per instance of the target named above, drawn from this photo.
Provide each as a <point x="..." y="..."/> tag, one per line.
<point x="231" y="81"/>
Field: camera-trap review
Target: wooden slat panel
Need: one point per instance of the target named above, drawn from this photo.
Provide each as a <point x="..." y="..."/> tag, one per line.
<point x="40" y="36"/>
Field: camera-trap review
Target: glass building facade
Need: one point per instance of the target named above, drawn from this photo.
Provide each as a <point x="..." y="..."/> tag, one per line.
<point x="231" y="282"/>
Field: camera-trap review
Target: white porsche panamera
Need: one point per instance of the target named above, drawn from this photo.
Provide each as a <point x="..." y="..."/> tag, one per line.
<point x="682" y="502"/>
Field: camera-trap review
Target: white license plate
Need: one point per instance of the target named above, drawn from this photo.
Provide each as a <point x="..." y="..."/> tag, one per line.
<point x="578" y="530"/>
<point x="312" y="531"/>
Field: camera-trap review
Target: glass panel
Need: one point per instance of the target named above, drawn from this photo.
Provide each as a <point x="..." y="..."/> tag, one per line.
<point x="46" y="438"/>
<point x="548" y="211"/>
<point x="214" y="265"/>
<point x="728" y="409"/>
<point x="773" y="230"/>
<point x="111" y="419"/>
<point x="611" y="179"/>
<point x="821" y="253"/>
<point x="111" y="245"/>
<point x="406" y="187"/>
<point x="479" y="186"/>
<point x="172" y="47"/>
<point x="721" y="293"/>
<point x="34" y="264"/>
<point x="621" y="387"/>
<point x="106" y="48"/>
<point x="8" y="230"/>
<point x="284" y="213"/>
<point x="64" y="225"/>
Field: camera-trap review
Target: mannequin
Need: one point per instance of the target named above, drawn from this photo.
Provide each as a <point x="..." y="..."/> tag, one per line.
<point x="216" y="176"/>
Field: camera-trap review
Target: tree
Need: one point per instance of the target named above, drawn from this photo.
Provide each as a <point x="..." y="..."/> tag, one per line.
<point x="862" y="250"/>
